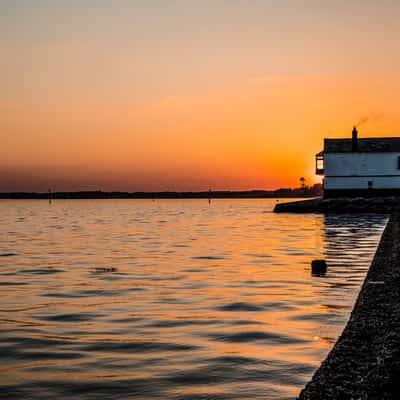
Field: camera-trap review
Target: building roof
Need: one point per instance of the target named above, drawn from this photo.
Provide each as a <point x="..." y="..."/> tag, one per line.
<point x="367" y="145"/>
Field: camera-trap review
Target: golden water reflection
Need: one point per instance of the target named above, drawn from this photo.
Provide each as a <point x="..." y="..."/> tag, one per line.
<point x="173" y="298"/>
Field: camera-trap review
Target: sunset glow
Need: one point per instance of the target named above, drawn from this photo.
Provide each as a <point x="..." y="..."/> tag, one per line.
<point x="181" y="95"/>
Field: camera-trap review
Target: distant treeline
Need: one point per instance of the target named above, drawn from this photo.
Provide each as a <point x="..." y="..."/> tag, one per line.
<point x="312" y="191"/>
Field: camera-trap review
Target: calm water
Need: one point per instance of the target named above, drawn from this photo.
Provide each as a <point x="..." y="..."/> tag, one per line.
<point x="173" y="299"/>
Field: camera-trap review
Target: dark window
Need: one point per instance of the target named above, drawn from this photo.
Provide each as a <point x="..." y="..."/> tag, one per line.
<point x="369" y="184"/>
<point x="398" y="162"/>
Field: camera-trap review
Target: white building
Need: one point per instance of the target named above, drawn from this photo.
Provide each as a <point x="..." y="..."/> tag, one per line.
<point x="360" y="167"/>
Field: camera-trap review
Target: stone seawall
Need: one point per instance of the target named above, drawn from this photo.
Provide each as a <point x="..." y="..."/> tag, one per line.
<point x="365" y="361"/>
<point x="380" y="205"/>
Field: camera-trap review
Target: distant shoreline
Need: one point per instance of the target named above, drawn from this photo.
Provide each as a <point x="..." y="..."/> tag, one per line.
<point x="280" y="193"/>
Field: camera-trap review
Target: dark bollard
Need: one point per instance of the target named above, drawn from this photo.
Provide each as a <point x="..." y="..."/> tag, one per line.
<point x="318" y="267"/>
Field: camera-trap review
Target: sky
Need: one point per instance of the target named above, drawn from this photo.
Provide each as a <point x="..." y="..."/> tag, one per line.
<point x="148" y="95"/>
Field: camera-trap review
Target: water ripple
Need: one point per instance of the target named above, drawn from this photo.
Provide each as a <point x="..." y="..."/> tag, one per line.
<point x="255" y="336"/>
<point x="172" y="299"/>
<point x="241" y="306"/>
<point x="136" y="347"/>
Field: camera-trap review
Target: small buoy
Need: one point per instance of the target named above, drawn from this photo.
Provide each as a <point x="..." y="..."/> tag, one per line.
<point x="318" y="267"/>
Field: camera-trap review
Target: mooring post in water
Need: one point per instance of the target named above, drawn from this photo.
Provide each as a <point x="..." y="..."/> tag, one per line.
<point x="49" y="196"/>
<point x="318" y="267"/>
<point x="209" y="196"/>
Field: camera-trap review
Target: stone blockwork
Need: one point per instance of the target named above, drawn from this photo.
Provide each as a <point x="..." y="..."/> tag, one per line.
<point x="365" y="361"/>
<point x="341" y="205"/>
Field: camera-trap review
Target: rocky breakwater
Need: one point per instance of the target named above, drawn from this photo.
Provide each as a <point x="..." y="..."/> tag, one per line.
<point x="365" y="361"/>
<point x="382" y="205"/>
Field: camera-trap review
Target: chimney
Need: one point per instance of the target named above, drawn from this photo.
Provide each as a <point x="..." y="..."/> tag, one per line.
<point x="354" y="139"/>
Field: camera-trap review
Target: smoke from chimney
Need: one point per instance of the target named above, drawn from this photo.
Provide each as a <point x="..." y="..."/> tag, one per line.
<point x="361" y="122"/>
<point x="371" y="117"/>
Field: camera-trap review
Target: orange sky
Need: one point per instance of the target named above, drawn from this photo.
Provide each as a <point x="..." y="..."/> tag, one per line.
<point x="229" y="95"/>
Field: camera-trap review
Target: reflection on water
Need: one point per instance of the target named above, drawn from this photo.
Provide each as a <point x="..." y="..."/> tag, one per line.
<point x="176" y="299"/>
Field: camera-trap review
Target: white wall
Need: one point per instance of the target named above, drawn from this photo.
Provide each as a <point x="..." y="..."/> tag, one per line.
<point x="354" y="170"/>
<point x="361" y="182"/>
<point x="361" y="164"/>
